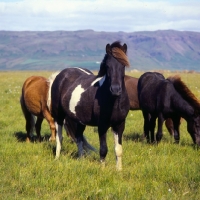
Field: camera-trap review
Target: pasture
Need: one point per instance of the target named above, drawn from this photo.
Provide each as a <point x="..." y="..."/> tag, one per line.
<point x="29" y="171"/>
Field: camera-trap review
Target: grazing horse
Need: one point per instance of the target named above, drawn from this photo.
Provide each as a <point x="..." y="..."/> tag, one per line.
<point x="33" y="102"/>
<point x="79" y="96"/>
<point x="168" y="98"/>
<point x="131" y="88"/>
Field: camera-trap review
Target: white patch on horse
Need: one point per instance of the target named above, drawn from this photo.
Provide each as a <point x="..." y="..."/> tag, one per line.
<point x="100" y="80"/>
<point x="118" y="151"/>
<point x="75" y="98"/>
<point x="50" y="82"/>
<point x="58" y="139"/>
<point x="83" y="70"/>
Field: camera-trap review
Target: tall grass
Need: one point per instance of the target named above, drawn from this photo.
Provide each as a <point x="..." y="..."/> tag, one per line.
<point x="29" y="171"/>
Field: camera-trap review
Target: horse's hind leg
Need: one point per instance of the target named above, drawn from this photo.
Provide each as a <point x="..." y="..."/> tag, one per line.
<point x="176" y="125"/>
<point x="160" y="124"/>
<point x="152" y="127"/>
<point x="51" y="122"/>
<point x="38" y="127"/>
<point x="79" y="138"/>
<point x="71" y="127"/>
<point x="30" y="125"/>
<point x="146" y="125"/>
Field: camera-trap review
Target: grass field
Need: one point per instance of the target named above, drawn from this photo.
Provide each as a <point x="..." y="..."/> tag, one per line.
<point x="29" y="171"/>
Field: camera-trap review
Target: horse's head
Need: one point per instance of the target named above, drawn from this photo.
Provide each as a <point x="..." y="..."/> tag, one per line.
<point x="113" y="66"/>
<point x="193" y="127"/>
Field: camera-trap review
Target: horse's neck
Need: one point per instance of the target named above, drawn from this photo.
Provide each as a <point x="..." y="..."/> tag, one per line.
<point x="182" y="107"/>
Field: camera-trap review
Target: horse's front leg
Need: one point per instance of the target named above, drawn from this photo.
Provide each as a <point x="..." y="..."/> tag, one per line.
<point x="102" y="129"/>
<point x="118" y="131"/>
<point x="50" y="120"/>
<point x="170" y="126"/>
<point x="59" y="138"/>
<point x="176" y="125"/>
<point x="160" y="124"/>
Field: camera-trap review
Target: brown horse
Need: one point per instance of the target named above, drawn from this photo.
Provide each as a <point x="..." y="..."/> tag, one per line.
<point x="131" y="88"/>
<point x="33" y="101"/>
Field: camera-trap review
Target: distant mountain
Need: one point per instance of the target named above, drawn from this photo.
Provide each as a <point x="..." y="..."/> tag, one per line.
<point x="169" y="50"/>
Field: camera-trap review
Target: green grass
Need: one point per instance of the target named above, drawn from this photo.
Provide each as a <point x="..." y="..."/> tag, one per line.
<point x="29" y="171"/>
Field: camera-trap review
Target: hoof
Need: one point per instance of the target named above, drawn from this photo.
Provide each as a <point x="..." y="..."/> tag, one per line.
<point x="103" y="164"/>
<point x="119" y="169"/>
<point x="158" y="138"/>
<point x="52" y="139"/>
<point x="176" y="141"/>
<point x="56" y="158"/>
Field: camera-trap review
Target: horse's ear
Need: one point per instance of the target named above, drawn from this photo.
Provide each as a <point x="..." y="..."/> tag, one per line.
<point x="125" y="47"/>
<point x="108" y="49"/>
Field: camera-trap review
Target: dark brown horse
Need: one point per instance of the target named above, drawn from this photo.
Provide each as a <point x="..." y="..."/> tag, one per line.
<point x="87" y="99"/>
<point x="168" y="98"/>
<point x="131" y="88"/>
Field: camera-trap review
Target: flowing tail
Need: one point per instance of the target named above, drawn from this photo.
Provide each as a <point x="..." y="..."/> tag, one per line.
<point x="70" y="127"/>
<point x="50" y="82"/>
<point x="30" y="118"/>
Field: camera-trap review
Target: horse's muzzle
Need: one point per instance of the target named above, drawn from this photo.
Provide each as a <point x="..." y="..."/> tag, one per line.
<point x="116" y="90"/>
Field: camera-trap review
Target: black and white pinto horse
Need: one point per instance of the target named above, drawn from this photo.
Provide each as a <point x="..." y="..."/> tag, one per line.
<point x="168" y="98"/>
<point x="81" y="97"/>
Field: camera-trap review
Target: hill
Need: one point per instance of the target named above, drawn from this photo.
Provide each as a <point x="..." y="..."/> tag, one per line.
<point x="169" y="49"/>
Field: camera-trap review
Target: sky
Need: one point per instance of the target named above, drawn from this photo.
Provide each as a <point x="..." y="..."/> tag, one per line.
<point x="99" y="15"/>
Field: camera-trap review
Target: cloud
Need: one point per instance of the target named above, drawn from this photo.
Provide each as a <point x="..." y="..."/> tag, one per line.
<point x="99" y="15"/>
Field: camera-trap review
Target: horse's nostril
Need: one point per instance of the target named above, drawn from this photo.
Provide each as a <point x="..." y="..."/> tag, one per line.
<point x="115" y="90"/>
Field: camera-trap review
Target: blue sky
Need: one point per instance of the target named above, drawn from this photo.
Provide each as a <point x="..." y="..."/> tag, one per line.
<point x="99" y="15"/>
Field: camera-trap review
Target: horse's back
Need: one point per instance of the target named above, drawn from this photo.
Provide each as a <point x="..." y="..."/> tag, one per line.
<point x="149" y="78"/>
<point x="149" y="82"/>
<point x="68" y="75"/>
<point x="150" y="86"/>
<point x="34" y="93"/>
<point x="35" y="86"/>
<point x="64" y="84"/>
